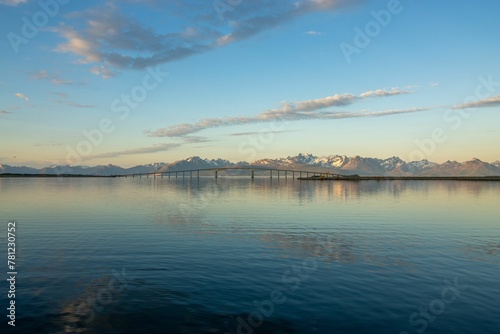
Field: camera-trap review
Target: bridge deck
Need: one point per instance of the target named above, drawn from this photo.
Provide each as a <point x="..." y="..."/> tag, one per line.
<point x="189" y="172"/>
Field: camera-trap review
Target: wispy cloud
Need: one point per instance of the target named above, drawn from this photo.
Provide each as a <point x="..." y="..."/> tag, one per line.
<point x="256" y="133"/>
<point x="383" y="92"/>
<point x="41" y="74"/>
<point x="336" y="100"/>
<point x="195" y="139"/>
<point x="312" y="33"/>
<point x="61" y="82"/>
<point x="289" y="111"/>
<point x="12" y="2"/>
<point x="324" y="102"/>
<point x="141" y="150"/>
<point x="433" y="84"/>
<point x="208" y="123"/>
<point x="61" y="95"/>
<point x="22" y="96"/>
<point x="113" y="39"/>
<point x="53" y="78"/>
<point x="491" y="102"/>
<point x="4" y="112"/>
<point x="73" y="104"/>
<point x="103" y="71"/>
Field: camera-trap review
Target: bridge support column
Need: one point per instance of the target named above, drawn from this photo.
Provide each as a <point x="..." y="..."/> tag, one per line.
<point x="198" y="174"/>
<point x="253" y="175"/>
<point x="307" y="175"/>
<point x="300" y="175"/>
<point x="216" y="174"/>
<point x="271" y="174"/>
<point x="169" y="175"/>
<point x="278" y="174"/>
<point x="182" y="174"/>
<point x="190" y="174"/>
<point x="175" y="174"/>
<point x="286" y="174"/>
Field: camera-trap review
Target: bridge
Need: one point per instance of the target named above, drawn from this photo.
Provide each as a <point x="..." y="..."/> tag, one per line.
<point x="273" y="172"/>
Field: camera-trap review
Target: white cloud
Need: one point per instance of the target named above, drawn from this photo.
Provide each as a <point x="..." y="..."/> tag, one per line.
<point x="12" y="2"/>
<point x="382" y="93"/>
<point x="73" y="104"/>
<point x="181" y="130"/>
<point x="103" y="71"/>
<point x="308" y="105"/>
<point x="60" y="94"/>
<point x="336" y="100"/>
<point x="42" y="74"/>
<point x="195" y="139"/>
<point x="61" y="82"/>
<point x="53" y="78"/>
<point x="302" y="110"/>
<point x="114" y="39"/>
<point x="134" y="151"/>
<point x="491" y="102"/>
<point x="312" y="33"/>
<point x="22" y="96"/>
<point x="79" y="45"/>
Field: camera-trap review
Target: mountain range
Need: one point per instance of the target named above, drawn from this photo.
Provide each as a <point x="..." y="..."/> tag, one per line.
<point x="340" y="164"/>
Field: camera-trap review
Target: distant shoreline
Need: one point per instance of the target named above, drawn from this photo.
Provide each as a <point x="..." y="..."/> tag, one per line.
<point x="410" y="178"/>
<point x="51" y="175"/>
<point x="360" y="178"/>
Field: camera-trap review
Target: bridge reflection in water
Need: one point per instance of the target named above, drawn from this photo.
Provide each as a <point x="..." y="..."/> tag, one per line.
<point x="273" y="172"/>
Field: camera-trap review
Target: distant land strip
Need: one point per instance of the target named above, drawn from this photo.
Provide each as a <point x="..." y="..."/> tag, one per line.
<point x="409" y="178"/>
<point x="356" y="178"/>
<point x="50" y="175"/>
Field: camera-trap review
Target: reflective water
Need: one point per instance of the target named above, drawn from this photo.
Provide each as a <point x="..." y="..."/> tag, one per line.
<point x="268" y="256"/>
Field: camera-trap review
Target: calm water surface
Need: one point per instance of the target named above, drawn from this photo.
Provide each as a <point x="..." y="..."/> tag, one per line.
<point x="268" y="256"/>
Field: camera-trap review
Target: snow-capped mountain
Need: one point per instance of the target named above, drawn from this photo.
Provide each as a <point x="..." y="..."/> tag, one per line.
<point x="17" y="169"/>
<point x="195" y="163"/>
<point x="331" y="161"/>
<point x="393" y="166"/>
<point x="83" y="170"/>
<point x="148" y="168"/>
<point x="365" y="166"/>
<point x="341" y="164"/>
<point x="474" y="167"/>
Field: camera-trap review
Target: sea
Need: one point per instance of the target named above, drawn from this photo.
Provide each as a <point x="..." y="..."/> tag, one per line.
<point x="236" y="255"/>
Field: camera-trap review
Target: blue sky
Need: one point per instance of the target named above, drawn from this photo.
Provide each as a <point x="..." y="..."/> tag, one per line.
<point x="132" y="82"/>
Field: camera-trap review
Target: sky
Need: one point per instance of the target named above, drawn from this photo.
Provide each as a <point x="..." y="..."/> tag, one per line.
<point x="132" y="82"/>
